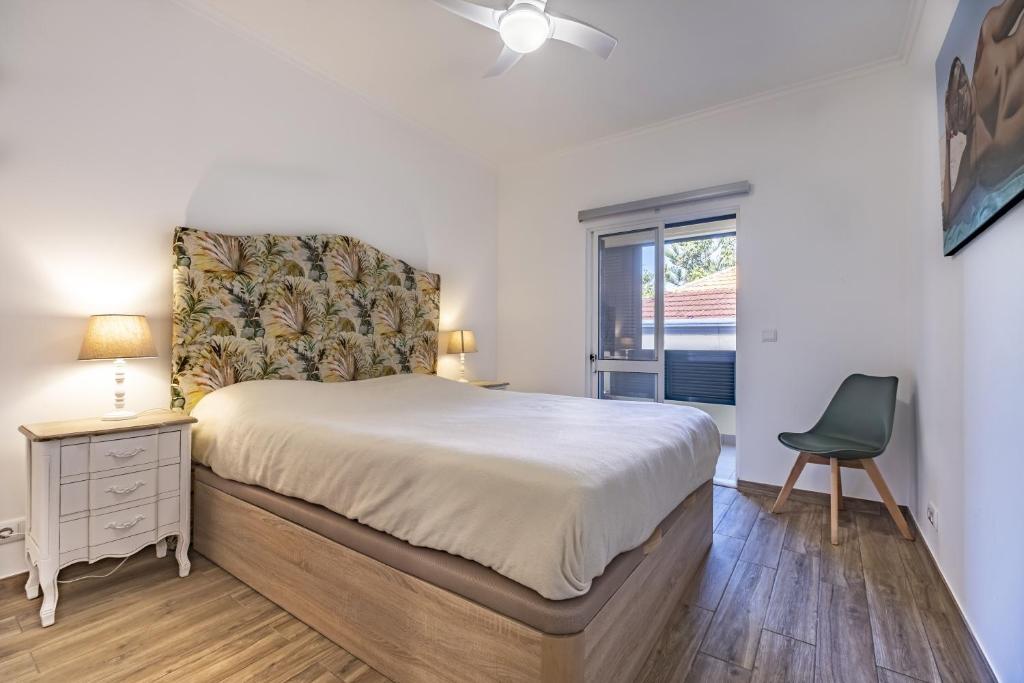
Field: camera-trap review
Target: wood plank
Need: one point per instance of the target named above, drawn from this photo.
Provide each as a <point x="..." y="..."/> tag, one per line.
<point x="736" y="627"/>
<point x="886" y="676"/>
<point x="19" y="667"/>
<point x="117" y="655"/>
<point x="844" y="650"/>
<point x="230" y="661"/>
<point x="803" y="530"/>
<point x="675" y="651"/>
<point x="900" y="641"/>
<point x="9" y="626"/>
<point x="783" y="660"/>
<point x="880" y="552"/>
<point x="740" y="518"/>
<point x="924" y="579"/>
<point x="707" y="587"/>
<point x="841" y="564"/>
<point x="366" y="675"/>
<point x="957" y="656"/>
<point x="724" y="495"/>
<point x="102" y="621"/>
<point x="314" y="673"/>
<point x="723" y="498"/>
<point x="764" y="544"/>
<point x="707" y="669"/>
<point x="180" y="655"/>
<point x="286" y="661"/>
<point x="793" y="608"/>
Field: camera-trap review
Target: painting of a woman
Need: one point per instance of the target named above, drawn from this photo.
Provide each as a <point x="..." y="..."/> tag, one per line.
<point x="981" y="99"/>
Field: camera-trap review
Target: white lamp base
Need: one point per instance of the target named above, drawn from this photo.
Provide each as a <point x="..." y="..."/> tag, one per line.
<point x="462" y="368"/>
<point x="120" y="415"/>
<point x="119" y="412"/>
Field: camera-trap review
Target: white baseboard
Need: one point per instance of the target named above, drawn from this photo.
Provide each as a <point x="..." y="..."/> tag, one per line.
<point x="12" y="559"/>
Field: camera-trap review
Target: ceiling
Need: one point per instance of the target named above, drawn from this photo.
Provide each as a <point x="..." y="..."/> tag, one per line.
<point x="675" y="57"/>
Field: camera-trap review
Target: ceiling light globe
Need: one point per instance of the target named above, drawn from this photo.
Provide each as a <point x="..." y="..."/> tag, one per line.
<point x="524" y="29"/>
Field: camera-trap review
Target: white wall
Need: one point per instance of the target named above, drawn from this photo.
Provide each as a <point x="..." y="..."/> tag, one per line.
<point x="969" y="336"/>
<point x="124" y="118"/>
<point x="822" y="249"/>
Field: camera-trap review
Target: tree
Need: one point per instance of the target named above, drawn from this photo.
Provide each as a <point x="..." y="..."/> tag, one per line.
<point x="694" y="259"/>
<point x="647" y="282"/>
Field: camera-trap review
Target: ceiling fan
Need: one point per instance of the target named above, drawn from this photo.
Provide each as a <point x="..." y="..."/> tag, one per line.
<point x="526" y="25"/>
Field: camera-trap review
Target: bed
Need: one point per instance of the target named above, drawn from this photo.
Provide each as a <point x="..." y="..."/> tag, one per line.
<point x="435" y="530"/>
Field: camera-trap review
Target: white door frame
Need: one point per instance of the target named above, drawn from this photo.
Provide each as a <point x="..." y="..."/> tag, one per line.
<point x="657" y="218"/>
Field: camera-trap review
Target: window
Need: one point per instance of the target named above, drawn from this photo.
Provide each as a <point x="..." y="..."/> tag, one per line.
<point x="665" y="312"/>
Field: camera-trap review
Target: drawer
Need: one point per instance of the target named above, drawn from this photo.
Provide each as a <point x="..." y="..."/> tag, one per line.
<point x="123" y="488"/>
<point x="74" y="459"/>
<point x="121" y="524"/>
<point x="168" y="477"/>
<point x="135" y="450"/>
<point x="120" y="547"/>
<point x="74" y="534"/>
<point x="74" y="497"/>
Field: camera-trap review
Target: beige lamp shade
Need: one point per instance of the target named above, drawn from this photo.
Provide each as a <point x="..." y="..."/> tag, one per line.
<point x="461" y="341"/>
<point x="109" y="337"/>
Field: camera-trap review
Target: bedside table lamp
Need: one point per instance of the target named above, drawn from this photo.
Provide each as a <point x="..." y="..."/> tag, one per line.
<point x="462" y="342"/>
<point x="117" y="337"/>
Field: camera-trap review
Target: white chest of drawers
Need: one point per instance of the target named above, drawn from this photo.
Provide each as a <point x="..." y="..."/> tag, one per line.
<point x="101" y="489"/>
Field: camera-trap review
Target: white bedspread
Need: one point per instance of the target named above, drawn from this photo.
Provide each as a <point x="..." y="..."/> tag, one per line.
<point x="546" y="490"/>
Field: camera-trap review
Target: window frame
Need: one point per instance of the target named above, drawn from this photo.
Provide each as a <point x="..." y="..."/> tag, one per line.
<point x="656" y="218"/>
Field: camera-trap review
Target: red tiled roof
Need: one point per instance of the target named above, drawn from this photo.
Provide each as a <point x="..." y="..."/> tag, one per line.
<point x="710" y="297"/>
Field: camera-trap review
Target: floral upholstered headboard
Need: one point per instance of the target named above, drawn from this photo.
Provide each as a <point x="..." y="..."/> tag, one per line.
<point x="326" y="308"/>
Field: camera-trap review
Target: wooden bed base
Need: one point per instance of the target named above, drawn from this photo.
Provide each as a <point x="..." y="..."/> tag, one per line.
<point x="411" y="630"/>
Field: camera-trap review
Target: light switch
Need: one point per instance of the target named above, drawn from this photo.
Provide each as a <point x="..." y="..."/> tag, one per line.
<point x="769" y="335"/>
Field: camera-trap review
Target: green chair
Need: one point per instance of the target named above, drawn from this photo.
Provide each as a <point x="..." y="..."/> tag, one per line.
<point x="855" y="429"/>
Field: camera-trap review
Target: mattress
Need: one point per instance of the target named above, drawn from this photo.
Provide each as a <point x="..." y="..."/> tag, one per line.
<point x="545" y="490"/>
<point x="458" y="575"/>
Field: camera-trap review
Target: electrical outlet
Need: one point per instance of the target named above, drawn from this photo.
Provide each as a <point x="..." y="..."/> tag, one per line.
<point x="12" y="530"/>
<point x="769" y="336"/>
<point x="933" y="516"/>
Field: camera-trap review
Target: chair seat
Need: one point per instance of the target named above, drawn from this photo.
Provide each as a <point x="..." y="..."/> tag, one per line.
<point x="827" y="445"/>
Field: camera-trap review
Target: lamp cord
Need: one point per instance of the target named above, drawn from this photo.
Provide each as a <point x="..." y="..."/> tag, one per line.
<point x="96" y="576"/>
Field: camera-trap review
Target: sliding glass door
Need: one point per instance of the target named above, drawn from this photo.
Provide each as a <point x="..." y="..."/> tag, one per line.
<point x="627" y="360"/>
<point x="663" y="312"/>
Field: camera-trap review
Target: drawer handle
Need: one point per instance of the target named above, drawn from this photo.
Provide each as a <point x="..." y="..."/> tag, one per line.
<point x="125" y="525"/>
<point x="126" y="454"/>
<point x="128" y="489"/>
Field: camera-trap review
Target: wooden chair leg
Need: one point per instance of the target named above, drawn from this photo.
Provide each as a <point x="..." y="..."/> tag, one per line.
<point x="890" y="503"/>
<point x="794" y="474"/>
<point x="836" y="494"/>
<point x="839" y="482"/>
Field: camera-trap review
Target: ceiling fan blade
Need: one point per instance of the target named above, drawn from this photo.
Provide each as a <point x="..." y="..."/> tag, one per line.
<point x="485" y="16"/>
<point x="506" y="60"/>
<point x="580" y="34"/>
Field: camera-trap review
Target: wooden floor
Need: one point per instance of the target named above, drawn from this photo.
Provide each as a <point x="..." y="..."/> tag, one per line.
<point x="773" y="602"/>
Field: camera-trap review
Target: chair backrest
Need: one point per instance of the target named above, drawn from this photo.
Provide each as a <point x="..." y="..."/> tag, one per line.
<point x="862" y="410"/>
